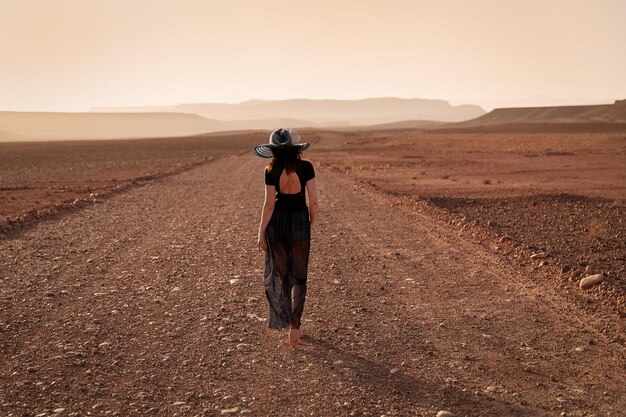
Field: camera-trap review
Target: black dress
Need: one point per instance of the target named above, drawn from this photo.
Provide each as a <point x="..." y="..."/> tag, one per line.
<point x="288" y="238"/>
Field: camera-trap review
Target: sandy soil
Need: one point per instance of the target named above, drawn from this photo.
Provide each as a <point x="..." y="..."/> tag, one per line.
<point x="151" y="303"/>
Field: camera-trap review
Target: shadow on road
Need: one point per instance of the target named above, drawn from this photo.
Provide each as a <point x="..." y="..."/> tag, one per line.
<point x="406" y="389"/>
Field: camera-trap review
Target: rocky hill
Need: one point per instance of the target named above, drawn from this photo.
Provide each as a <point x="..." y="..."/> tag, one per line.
<point x="605" y="113"/>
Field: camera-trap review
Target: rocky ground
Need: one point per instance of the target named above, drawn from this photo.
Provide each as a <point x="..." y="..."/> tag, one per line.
<point x="581" y="235"/>
<point x="150" y="302"/>
<point x="38" y="179"/>
<point x="559" y="198"/>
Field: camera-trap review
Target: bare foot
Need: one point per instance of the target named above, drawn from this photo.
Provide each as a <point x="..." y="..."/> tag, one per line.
<point x="294" y="336"/>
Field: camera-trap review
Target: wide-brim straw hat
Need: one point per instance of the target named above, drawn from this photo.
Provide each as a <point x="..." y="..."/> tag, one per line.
<point x="280" y="138"/>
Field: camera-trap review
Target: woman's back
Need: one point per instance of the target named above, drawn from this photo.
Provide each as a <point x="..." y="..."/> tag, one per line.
<point x="289" y="182"/>
<point x="290" y="186"/>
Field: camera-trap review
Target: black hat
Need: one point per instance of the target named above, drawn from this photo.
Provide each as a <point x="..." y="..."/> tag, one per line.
<point x="280" y="138"/>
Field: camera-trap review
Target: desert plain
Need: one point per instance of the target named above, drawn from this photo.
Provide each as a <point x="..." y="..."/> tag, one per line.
<point x="445" y="276"/>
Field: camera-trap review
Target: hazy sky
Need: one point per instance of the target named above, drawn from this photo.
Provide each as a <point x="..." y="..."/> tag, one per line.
<point x="70" y="55"/>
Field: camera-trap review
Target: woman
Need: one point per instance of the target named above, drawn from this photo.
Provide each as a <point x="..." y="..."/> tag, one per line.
<point x="285" y="229"/>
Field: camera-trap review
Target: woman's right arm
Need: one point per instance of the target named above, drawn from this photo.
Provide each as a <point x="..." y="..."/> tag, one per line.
<point x="311" y="188"/>
<point x="266" y="215"/>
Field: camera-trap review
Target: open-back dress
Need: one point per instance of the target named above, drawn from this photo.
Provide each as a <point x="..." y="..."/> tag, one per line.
<point x="288" y="238"/>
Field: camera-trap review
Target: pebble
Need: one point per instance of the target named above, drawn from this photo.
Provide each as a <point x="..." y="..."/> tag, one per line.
<point x="337" y="363"/>
<point x="59" y="410"/>
<point x="230" y="410"/>
<point x="234" y="281"/>
<point x="444" y="413"/>
<point x="590" y="281"/>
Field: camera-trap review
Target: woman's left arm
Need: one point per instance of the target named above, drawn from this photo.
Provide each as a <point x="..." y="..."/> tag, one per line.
<point x="313" y="204"/>
<point x="266" y="215"/>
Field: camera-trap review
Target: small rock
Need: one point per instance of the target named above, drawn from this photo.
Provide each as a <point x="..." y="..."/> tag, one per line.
<point x="59" y="410"/>
<point x="493" y="389"/>
<point x="565" y="268"/>
<point x="531" y="369"/>
<point x="179" y="403"/>
<point x="230" y="410"/>
<point x="444" y="413"/>
<point x="175" y="289"/>
<point x="234" y="281"/>
<point x="539" y="255"/>
<point x="337" y="363"/>
<point x="590" y="281"/>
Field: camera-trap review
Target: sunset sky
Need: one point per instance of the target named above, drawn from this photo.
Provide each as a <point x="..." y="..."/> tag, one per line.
<point x="71" y="55"/>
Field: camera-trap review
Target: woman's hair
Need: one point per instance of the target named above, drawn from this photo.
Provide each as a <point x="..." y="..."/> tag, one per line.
<point x="285" y="157"/>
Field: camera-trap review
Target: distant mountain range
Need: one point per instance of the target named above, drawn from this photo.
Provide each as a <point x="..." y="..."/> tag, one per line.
<point x="21" y="126"/>
<point x="376" y="113"/>
<point x="192" y="119"/>
<point x="321" y="113"/>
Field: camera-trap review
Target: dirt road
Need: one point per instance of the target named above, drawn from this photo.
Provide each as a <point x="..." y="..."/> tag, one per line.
<point x="151" y="303"/>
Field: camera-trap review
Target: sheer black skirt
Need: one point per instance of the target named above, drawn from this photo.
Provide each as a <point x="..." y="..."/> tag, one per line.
<point x="288" y="240"/>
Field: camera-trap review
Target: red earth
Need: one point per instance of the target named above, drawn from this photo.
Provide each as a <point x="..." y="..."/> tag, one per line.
<point x="424" y="294"/>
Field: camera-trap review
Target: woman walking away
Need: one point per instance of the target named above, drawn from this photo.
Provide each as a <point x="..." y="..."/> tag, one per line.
<point x="285" y="229"/>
